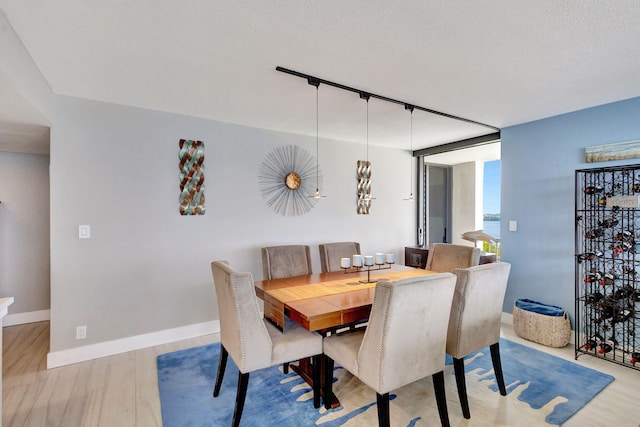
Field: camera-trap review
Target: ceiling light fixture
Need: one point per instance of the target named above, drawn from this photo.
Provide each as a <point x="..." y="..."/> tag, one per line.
<point x="366" y="96"/>
<point x="410" y="108"/>
<point x="382" y="98"/>
<point x="316" y="82"/>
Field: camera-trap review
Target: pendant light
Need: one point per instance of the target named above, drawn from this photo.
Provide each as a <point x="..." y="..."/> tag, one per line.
<point x="364" y="95"/>
<point x="316" y="195"/>
<point x="410" y="198"/>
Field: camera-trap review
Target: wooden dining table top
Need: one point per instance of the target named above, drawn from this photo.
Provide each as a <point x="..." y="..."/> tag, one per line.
<point x="326" y="300"/>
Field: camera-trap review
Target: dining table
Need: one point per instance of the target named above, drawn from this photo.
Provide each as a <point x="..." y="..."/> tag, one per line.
<point x="326" y="302"/>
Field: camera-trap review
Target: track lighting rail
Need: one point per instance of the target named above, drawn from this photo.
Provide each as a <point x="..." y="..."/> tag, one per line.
<point x="316" y="81"/>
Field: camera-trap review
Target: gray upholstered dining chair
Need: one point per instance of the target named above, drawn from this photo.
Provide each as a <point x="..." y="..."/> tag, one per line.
<point x="252" y="342"/>
<point x="444" y="257"/>
<point x="332" y="253"/>
<point x="279" y="262"/>
<point x="475" y="320"/>
<point x="285" y="261"/>
<point x="404" y="341"/>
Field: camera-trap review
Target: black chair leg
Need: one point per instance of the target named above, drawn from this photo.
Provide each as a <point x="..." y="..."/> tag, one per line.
<point x="243" y="382"/>
<point x="383" y="409"/>
<point x="458" y="367"/>
<point x="316" y="380"/>
<point x="222" y="363"/>
<point x="441" y="398"/>
<point x="328" y="382"/>
<point x="497" y="367"/>
<point x="285" y="367"/>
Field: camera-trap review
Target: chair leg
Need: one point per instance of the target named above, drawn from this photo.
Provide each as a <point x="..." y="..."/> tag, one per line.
<point x="316" y="380"/>
<point x="383" y="409"/>
<point x="458" y="367"/>
<point x="497" y="367"/>
<point x="285" y="367"/>
<point x="222" y="364"/>
<point x="328" y="382"/>
<point x="243" y="382"/>
<point x="441" y="398"/>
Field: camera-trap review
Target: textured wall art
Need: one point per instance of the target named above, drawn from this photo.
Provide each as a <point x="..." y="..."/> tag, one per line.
<point x="288" y="178"/>
<point x="191" y="177"/>
<point x="614" y="151"/>
<point x="364" y="187"/>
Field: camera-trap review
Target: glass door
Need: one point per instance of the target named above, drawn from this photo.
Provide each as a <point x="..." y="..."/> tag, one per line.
<point x="438" y="203"/>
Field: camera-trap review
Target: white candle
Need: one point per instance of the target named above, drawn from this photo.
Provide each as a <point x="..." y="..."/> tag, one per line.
<point x="357" y="260"/>
<point x="379" y="258"/>
<point x="345" y="262"/>
<point x="368" y="260"/>
<point x="390" y="258"/>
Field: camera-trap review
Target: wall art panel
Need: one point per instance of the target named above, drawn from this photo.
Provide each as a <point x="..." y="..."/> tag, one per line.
<point x="191" y="167"/>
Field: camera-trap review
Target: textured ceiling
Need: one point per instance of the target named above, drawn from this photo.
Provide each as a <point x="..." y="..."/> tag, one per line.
<point x="497" y="62"/>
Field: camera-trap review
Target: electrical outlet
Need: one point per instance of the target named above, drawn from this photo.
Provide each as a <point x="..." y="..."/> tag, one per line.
<point x="81" y="332"/>
<point x="84" y="231"/>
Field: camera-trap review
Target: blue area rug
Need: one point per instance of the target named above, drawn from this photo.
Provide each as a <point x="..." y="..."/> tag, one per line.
<point x="541" y="387"/>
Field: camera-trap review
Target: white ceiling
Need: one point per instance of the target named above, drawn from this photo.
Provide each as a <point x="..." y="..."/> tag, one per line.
<point x="495" y="61"/>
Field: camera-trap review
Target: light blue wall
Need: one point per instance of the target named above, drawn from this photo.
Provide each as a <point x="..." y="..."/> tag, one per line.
<point x="539" y="160"/>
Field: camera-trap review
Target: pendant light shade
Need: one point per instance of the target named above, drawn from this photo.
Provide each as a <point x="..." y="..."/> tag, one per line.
<point x="367" y="196"/>
<point x="410" y="198"/>
<point x="316" y="195"/>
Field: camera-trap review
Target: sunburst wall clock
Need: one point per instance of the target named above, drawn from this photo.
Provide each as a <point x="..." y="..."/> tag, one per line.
<point x="288" y="178"/>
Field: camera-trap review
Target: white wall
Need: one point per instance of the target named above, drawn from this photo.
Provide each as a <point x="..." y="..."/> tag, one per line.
<point x="146" y="268"/>
<point x="465" y="200"/>
<point x="24" y="234"/>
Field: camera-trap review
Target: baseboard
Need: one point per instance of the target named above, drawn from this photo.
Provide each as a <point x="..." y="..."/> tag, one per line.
<point x="507" y="318"/>
<point x="27" y="317"/>
<point x="109" y="348"/>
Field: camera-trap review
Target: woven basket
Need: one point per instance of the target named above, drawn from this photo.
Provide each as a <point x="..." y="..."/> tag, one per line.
<point x="552" y="331"/>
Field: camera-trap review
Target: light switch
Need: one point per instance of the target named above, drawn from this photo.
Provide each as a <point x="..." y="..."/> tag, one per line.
<point x="84" y="232"/>
<point x="513" y="225"/>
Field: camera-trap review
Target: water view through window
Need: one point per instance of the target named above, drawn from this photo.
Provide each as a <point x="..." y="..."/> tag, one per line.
<point x="491" y="198"/>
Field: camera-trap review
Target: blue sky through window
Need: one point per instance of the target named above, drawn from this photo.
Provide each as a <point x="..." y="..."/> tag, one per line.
<point x="491" y="185"/>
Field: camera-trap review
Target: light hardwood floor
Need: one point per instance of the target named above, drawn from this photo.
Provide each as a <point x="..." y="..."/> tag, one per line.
<point x="122" y="390"/>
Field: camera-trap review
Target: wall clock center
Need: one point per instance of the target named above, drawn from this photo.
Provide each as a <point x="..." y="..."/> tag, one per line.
<point x="292" y="181"/>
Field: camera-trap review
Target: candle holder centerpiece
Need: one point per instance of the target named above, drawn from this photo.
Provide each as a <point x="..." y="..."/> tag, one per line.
<point x="367" y="263"/>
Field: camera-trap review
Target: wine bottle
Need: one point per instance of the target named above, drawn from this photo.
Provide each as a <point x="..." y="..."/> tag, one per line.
<point x="593" y="298"/>
<point x="594" y="234"/>
<point x="624" y="235"/>
<point x="622" y="314"/>
<point x="594" y="277"/>
<point x="623" y="293"/>
<point x="608" y="223"/>
<point x="605" y="309"/>
<point x="589" y="256"/>
<point x="608" y="279"/>
<point x="593" y="342"/>
<point x="593" y="189"/>
<point x="607" y="346"/>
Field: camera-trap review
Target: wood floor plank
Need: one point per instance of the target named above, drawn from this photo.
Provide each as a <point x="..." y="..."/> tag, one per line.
<point x="147" y="395"/>
<point x="122" y="390"/>
<point x="118" y="401"/>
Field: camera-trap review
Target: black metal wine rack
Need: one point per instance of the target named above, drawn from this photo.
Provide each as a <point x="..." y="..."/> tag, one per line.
<point x="607" y="265"/>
